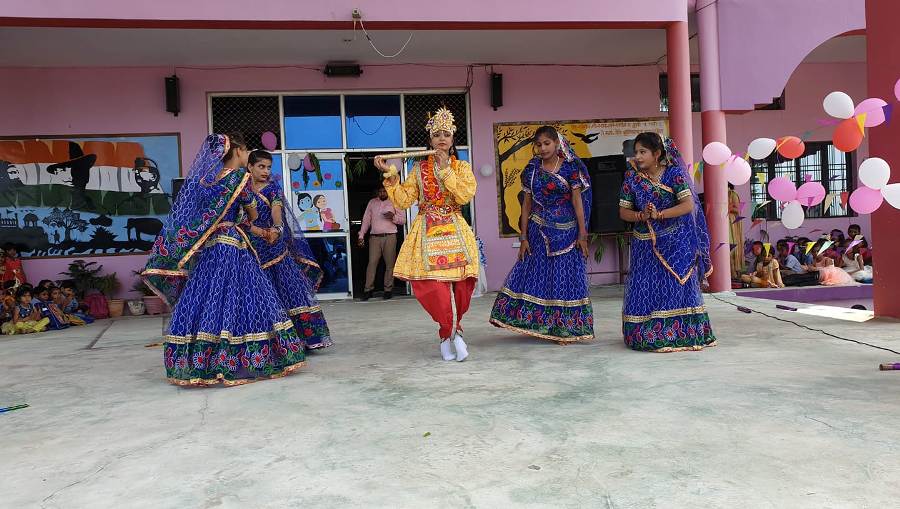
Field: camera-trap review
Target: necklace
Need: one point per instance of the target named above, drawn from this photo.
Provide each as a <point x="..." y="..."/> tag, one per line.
<point x="656" y="177"/>
<point x="555" y="168"/>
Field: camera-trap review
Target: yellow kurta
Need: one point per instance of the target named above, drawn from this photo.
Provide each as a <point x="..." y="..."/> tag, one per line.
<point x="457" y="185"/>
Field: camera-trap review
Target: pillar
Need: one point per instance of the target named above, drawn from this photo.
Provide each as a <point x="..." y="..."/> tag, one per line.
<point x="882" y="72"/>
<point x="712" y="118"/>
<point x="678" y="62"/>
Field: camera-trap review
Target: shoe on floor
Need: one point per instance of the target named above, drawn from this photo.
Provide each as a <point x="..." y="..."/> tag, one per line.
<point x="446" y="352"/>
<point x="461" y="350"/>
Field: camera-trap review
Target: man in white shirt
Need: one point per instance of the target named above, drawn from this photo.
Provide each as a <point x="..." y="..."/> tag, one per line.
<point x="381" y="220"/>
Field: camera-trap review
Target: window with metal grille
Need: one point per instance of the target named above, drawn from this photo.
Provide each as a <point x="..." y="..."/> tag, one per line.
<point x="664" y="92"/>
<point x="820" y="163"/>
<point x="417" y="108"/>
<point x="251" y="115"/>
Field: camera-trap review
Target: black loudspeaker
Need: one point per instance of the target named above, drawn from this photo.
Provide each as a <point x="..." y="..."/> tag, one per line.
<point x="173" y="99"/>
<point x="496" y="90"/>
<point x="176" y="186"/>
<point x="607" y="174"/>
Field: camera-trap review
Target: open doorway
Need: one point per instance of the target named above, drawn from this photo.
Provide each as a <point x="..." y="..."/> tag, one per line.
<point x="362" y="187"/>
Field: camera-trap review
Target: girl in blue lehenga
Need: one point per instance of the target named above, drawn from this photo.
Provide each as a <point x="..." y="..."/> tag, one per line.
<point x="663" y="309"/>
<point x="284" y="254"/>
<point x="228" y="325"/>
<point x="546" y="294"/>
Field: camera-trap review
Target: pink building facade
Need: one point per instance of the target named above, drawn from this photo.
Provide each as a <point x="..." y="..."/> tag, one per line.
<point x="99" y="69"/>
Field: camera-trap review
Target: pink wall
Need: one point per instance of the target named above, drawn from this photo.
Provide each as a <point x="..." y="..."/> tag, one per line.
<point x="556" y="94"/>
<point x="808" y="85"/>
<point x="339" y="10"/>
<point x="761" y="42"/>
<point x="101" y="101"/>
<point x="118" y="100"/>
<point x="88" y="101"/>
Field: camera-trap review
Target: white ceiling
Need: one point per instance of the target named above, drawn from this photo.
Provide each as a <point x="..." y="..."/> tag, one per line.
<point x="49" y="47"/>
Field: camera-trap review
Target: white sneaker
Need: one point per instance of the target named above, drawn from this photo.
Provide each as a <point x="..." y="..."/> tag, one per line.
<point x="446" y="352"/>
<point x="461" y="351"/>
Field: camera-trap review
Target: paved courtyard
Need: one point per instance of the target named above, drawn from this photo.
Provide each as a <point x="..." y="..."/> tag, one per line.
<point x="776" y="416"/>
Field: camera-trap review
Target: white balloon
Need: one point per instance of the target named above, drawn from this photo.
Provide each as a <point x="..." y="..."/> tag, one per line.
<point x="838" y="105"/>
<point x="792" y="216"/>
<point x="874" y="172"/>
<point x="294" y="161"/>
<point x="891" y="193"/>
<point x="487" y="170"/>
<point x="761" y="148"/>
<point x="738" y="171"/>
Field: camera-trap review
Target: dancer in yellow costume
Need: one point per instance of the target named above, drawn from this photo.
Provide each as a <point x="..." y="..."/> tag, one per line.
<point x="439" y="257"/>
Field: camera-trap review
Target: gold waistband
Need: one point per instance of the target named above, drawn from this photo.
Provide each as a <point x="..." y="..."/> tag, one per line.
<point x="439" y="209"/>
<point x="558" y="226"/>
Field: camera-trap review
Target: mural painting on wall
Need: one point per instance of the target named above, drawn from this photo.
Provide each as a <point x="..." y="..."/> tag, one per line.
<point x="63" y="196"/>
<point x="589" y="138"/>
<point x="318" y="195"/>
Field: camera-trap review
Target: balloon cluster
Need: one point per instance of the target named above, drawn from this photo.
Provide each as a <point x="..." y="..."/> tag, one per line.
<point x="874" y="172"/>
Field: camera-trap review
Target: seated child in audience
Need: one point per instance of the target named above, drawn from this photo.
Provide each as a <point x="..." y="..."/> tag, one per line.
<point x="50" y="310"/>
<point x="26" y="316"/>
<point x="767" y="274"/>
<point x="829" y="274"/>
<point x="7" y="304"/>
<point x="56" y="296"/>
<point x="12" y="264"/>
<point x="70" y="305"/>
<point x="854" y="265"/>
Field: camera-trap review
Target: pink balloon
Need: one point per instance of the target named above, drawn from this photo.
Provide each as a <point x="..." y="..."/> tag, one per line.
<point x="873" y="108"/>
<point x="716" y="153"/>
<point x="810" y="194"/>
<point x="269" y="141"/>
<point x="782" y="189"/>
<point x="738" y="171"/>
<point x="866" y="200"/>
<point x="897" y="90"/>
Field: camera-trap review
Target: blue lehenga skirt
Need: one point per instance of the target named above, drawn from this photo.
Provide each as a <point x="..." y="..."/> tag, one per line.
<point x="547" y="297"/>
<point x="228" y="325"/>
<point x="659" y="313"/>
<point x="296" y="293"/>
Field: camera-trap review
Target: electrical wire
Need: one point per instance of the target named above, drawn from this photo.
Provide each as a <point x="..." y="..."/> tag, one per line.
<point x="802" y="326"/>
<point x="362" y="25"/>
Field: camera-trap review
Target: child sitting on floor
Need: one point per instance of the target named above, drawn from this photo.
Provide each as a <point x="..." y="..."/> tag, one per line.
<point x="70" y="305"/>
<point x="767" y="275"/>
<point x="56" y="296"/>
<point x="50" y="310"/>
<point x="26" y="316"/>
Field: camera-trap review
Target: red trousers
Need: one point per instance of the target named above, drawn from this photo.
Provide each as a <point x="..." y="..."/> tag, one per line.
<point x="434" y="296"/>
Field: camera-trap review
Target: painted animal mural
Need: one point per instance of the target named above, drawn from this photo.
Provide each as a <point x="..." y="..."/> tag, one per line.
<point x="86" y="195"/>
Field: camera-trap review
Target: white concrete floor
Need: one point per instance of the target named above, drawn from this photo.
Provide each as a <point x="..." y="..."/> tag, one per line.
<point x="776" y="416"/>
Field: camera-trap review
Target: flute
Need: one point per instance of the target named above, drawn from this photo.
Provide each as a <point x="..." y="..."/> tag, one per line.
<point x="405" y="155"/>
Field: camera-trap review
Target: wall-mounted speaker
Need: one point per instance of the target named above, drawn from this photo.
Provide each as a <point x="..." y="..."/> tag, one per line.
<point x="173" y="99"/>
<point x="496" y="90"/>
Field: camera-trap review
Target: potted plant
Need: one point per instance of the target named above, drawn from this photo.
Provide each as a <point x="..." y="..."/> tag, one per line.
<point x="83" y="275"/>
<point x="108" y="285"/>
<point x="152" y="302"/>
<point x="136" y="307"/>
